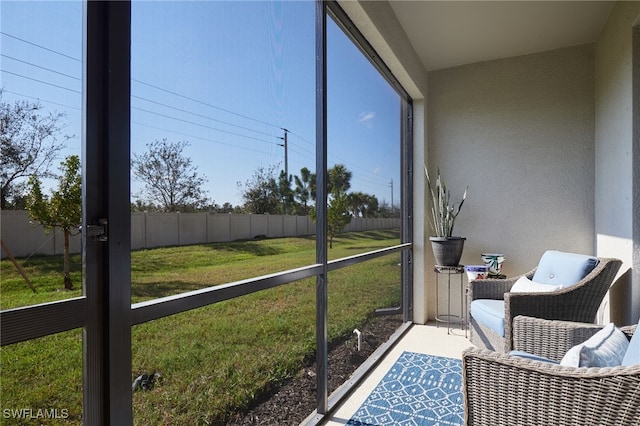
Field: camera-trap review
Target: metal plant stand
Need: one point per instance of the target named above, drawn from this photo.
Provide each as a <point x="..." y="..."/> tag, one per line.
<point x="451" y="270"/>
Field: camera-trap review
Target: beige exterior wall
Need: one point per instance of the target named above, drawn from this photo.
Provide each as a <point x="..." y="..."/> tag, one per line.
<point x="519" y="133"/>
<point x="421" y="247"/>
<point x="616" y="215"/>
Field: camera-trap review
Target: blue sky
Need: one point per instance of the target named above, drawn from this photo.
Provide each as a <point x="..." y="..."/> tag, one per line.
<point x="225" y="76"/>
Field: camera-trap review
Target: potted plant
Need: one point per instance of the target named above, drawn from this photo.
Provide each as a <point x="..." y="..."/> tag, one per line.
<point x="447" y="249"/>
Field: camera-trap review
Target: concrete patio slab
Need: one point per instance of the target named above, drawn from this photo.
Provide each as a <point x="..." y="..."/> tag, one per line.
<point x="427" y="339"/>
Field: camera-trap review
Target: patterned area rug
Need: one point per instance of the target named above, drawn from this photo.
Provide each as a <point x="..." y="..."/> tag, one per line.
<point x="419" y="389"/>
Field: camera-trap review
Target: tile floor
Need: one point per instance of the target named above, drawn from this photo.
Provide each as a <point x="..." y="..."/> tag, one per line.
<point x="427" y="339"/>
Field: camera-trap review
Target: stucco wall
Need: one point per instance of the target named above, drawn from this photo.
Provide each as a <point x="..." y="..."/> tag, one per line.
<point x="635" y="313"/>
<point x="519" y="133"/>
<point x="421" y="250"/>
<point x="615" y="215"/>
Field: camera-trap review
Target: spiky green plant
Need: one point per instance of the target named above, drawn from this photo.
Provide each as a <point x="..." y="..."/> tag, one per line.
<point x="443" y="212"/>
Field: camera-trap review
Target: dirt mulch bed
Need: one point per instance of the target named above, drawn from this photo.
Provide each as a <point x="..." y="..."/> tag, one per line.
<point x="292" y="402"/>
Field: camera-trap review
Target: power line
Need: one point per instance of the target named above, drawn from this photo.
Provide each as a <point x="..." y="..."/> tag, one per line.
<point x="147" y="100"/>
<point x="160" y="114"/>
<point x="292" y="149"/>
<point x="137" y="81"/>
<point x="370" y="180"/>
<point x="373" y="179"/>
<point x="373" y="175"/>
<point x="206" y="104"/>
<point x="301" y="138"/>
<point x="41" y="81"/>
<point x="199" y="137"/>
<point x="40" y="46"/>
<point x="353" y="165"/>
<point x="39" y="66"/>
<point x="201" y="115"/>
<point x="201" y="125"/>
<point x="312" y="154"/>
<point x="42" y="100"/>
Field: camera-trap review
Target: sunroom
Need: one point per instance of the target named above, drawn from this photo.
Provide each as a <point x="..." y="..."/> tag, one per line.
<point x="530" y="106"/>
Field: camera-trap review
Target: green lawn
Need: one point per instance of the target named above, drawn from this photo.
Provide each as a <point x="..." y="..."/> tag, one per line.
<point x="213" y="360"/>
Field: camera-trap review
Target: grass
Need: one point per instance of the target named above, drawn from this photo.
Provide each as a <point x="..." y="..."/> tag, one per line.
<point x="214" y="360"/>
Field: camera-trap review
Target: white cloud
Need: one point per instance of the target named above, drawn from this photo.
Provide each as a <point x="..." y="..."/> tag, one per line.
<point x="366" y="116"/>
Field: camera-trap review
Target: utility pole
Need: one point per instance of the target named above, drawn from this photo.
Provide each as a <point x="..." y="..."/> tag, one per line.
<point x="391" y="186"/>
<point x="286" y="156"/>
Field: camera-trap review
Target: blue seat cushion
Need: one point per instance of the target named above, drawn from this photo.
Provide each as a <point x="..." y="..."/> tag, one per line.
<point x="490" y="313"/>
<point x="533" y="357"/>
<point x="564" y="269"/>
<point x="632" y="357"/>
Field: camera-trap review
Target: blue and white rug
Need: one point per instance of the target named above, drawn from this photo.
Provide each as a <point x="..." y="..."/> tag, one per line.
<point x="419" y="389"/>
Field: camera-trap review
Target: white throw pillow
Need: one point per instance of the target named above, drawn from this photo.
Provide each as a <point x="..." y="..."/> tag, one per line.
<point x="525" y="285"/>
<point x="606" y="348"/>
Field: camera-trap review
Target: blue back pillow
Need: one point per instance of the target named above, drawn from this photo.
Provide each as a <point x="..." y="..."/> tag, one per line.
<point x="562" y="268"/>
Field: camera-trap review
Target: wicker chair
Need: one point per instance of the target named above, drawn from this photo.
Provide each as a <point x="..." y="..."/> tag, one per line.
<point x="501" y="389"/>
<point x="579" y="302"/>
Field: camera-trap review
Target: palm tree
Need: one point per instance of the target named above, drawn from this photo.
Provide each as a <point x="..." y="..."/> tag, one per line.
<point x="305" y="188"/>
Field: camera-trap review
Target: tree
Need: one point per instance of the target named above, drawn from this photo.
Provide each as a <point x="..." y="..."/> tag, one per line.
<point x="305" y="189"/>
<point x="141" y="206"/>
<point x="227" y="207"/>
<point x="63" y="209"/>
<point x="338" y="212"/>
<point x="171" y="181"/>
<point x="28" y="145"/>
<point x="339" y="179"/>
<point x="286" y="193"/>
<point x="338" y="215"/>
<point x="362" y="205"/>
<point x="260" y="193"/>
<point x="387" y="210"/>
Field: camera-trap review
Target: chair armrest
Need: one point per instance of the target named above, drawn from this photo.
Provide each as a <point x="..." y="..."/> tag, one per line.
<point x="556" y="305"/>
<point x="548" y="338"/>
<point x="492" y="288"/>
<point x="552" y="339"/>
<point x="500" y="389"/>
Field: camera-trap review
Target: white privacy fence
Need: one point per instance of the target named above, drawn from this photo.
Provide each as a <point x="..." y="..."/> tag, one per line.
<point x="149" y="230"/>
